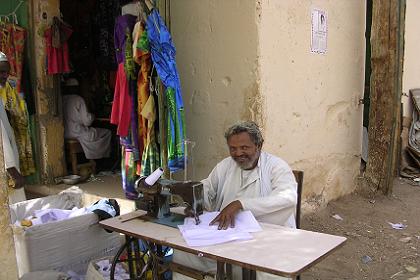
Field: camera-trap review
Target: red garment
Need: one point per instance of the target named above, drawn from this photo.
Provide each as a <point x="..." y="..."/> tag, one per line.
<point x="58" y="57"/>
<point x="121" y="106"/>
<point x="12" y="43"/>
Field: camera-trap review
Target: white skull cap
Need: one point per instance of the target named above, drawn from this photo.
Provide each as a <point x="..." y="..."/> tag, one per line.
<point x="3" y="57"/>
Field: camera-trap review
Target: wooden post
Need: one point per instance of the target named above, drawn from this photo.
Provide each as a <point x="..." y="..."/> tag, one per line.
<point x="385" y="100"/>
<point x="8" y="262"/>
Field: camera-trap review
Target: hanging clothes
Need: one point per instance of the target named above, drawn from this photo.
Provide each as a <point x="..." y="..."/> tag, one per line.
<point x="151" y="156"/>
<point x="56" y="39"/>
<point x="130" y="163"/>
<point x="122" y="24"/>
<point x="121" y="106"/>
<point x="12" y="43"/>
<point x="142" y="58"/>
<point x="128" y="172"/>
<point x="163" y="56"/>
<point x="19" y="120"/>
<point x="145" y="102"/>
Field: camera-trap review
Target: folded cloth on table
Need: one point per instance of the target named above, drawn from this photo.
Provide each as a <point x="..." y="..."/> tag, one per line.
<point x="204" y="235"/>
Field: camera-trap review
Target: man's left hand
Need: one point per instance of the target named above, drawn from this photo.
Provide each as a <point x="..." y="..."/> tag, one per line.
<point x="226" y="218"/>
<point x="17" y="177"/>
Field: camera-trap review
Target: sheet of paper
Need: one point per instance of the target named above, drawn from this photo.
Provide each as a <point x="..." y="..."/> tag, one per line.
<point x="319" y="31"/>
<point x="204" y="235"/>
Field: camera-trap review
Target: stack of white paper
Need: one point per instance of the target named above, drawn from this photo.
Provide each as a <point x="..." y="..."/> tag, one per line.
<point x="204" y="235"/>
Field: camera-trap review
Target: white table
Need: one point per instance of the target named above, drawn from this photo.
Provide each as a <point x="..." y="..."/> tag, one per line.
<point x="286" y="252"/>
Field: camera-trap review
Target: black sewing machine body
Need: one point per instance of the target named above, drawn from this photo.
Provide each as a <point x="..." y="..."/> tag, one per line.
<point x="156" y="200"/>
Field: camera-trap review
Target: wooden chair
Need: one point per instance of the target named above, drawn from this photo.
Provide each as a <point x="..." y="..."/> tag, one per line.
<point x="299" y="180"/>
<point x="73" y="148"/>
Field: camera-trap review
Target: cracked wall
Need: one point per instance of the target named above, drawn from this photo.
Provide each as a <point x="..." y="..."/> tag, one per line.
<point x="315" y="122"/>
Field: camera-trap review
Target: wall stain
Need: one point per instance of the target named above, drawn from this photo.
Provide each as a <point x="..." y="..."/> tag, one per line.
<point x="254" y="105"/>
<point x="227" y="81"/>
<point x="325" y="177"/>
<point x="338" y="113"/>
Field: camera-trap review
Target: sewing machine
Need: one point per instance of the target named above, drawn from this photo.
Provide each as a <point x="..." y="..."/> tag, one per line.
<point x="155" y="199"/>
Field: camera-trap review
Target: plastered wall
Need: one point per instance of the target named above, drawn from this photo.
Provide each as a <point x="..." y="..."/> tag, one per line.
<point x="411" y="74"/>
<point x="311" y="111"/>
<point x="47" y="98"/>
<point x="252" y="60"/>
<point x="216" y="45"/>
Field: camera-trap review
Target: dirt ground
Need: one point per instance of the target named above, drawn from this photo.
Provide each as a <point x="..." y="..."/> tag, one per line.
<point x="374" y="250"/>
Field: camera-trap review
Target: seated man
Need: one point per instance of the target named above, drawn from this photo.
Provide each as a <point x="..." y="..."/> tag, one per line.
<point x="96" y="142"/>
<point x="10" y="150"/>
<point x="249" y="179"/>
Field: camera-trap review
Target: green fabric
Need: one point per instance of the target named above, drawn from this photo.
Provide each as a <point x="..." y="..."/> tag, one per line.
<point x="174" y="139"/>
<point x="150" y="159"/>
<point x="129" y="65"/>
<point x="143" y="42"/>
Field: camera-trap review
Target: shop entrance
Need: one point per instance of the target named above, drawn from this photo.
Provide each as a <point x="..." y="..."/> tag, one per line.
<point x="90" y="83"/>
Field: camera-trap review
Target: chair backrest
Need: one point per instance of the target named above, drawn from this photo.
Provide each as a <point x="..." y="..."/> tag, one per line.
<point x="299" y="180"/>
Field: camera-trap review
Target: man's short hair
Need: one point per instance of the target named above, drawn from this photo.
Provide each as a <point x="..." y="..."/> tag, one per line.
<point x="250" y="127"/>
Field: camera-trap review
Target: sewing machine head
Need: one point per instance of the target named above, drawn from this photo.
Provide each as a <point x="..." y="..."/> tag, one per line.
<point x="155" y="199"/>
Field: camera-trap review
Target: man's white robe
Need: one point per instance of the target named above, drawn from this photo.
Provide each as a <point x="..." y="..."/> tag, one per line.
<point x="11" y="154"/>
<point x="269" y="191"/>
<point x="96" y="142"/>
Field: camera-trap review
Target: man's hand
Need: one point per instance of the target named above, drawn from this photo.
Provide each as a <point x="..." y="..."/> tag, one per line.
<point x="188" y="211"/>
<point x="226" y="218"/>
<point x="17" y="177"/>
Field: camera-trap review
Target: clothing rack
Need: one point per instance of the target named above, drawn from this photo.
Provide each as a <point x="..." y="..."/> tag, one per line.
<point x="12" y="14"/>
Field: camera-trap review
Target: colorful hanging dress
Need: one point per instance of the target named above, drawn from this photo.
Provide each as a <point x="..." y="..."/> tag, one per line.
<point x="163" y="57"/>
<point x="12" y="43"/>
<point x="123" y="112"/>
<point x="19" y="120"/>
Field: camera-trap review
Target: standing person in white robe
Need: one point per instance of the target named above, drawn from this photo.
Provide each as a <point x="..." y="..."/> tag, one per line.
<point x="96" y="142"/>
<point x="10" y="150"/>
<point x="249" y="179"/>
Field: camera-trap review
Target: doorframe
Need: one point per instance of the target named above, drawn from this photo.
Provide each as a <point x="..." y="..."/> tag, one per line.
<point x="387" y="43"/>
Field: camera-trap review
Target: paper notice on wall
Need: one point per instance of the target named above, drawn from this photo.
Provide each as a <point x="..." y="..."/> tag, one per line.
<point x="319" y="31"/>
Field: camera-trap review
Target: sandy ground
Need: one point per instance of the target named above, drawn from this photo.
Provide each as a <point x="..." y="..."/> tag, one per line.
<point x="374" y="250"/>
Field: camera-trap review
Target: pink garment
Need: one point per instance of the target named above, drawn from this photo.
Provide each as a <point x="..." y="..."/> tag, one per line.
<point x="121" y="107"/>
<point x="58" y="58"/>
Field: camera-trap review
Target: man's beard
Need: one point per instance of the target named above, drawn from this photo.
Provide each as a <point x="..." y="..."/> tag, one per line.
<point x="246" y="162"/>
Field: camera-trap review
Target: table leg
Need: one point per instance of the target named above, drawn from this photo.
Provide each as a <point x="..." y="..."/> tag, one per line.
<point x="248" y="274"/>
<point x="116" y="259"/>
<point x="155" y="261"/>
<point x="220" y="274"/>
<point x="130" y="257"/>
<point x="229" y="275"/>
<point x="138" y="260"/>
